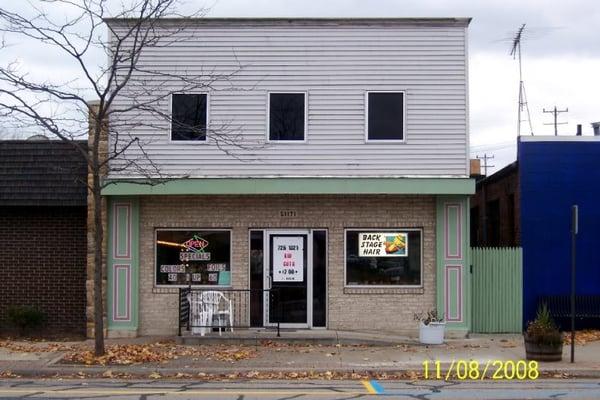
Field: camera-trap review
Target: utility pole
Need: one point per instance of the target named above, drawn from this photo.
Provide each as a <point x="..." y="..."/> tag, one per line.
<point x="556" y="111"/>
<point x="574" y="232"/>
<point x="485" y="159"/>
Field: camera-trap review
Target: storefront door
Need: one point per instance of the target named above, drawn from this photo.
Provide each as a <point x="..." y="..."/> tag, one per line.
<point x="288" y="273"/>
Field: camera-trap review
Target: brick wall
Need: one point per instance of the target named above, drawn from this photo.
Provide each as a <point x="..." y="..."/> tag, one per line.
<point x="382" y="309"/>
<point x="505" y="190"/>
<point x="42" y="264"/>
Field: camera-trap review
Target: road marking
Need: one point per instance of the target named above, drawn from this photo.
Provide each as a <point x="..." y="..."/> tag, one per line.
<point x="373" y="387"/>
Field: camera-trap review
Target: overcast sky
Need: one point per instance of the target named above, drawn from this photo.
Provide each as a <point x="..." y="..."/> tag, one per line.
<point x="561" y="56"/>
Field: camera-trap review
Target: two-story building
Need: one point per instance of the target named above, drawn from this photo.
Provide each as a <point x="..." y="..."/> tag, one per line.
<point x="333" y="164"/>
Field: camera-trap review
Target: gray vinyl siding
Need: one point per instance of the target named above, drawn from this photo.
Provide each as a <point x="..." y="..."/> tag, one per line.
<point x="335" y="65"/>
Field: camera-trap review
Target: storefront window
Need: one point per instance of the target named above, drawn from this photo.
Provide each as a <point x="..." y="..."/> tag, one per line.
<point x="389" y="257"/>
<point x="203" y="256"/>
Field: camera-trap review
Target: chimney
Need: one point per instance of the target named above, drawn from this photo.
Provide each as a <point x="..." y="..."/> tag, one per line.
<point x="596" y="128"/>
<point x="475" y="167"/>
<point x="578" y="129"/>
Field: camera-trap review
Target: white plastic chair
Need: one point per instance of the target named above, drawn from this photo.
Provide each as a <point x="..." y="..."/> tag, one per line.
<point x="199" y="315"/>
<point x="217" y="304"/>
<point x="205" y="307"/>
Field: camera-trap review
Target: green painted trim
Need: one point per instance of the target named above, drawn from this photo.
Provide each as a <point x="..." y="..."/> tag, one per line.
<point x="452" y="230"/>
<point x="122" y="295"/>
<point x="445" y="186"/>
<point x="453" y="286"/>
<point x="122" y="221"/>
<point x="463" y="262"/>
<point x="125" y="257"/>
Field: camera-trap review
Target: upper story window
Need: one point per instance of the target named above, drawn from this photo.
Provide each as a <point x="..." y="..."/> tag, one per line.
<point x="189" y="117"/>
<point x="385" y="116"/>
<point x="287" y="117"/>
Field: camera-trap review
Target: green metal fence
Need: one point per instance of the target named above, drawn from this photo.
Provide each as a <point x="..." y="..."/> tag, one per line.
<point x="497" y="289"/>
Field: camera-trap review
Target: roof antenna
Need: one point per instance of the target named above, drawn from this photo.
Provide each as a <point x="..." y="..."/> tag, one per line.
<point x="516" y="52"/>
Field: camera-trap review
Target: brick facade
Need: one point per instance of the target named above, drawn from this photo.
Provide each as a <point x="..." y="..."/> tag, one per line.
<point x="495" y="209"/>
<point x="367" y="309"/>
<point x="42" y="264"/>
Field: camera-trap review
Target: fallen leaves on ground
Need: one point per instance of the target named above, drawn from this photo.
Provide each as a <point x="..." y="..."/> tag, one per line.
<point x="306" y="375"/>
<point x="473" y="346"/>
<point x="159" y="352"/>
<point x="556" y="375"/>
<point x="583" y="337"/>
<point x="36" y="347"/>
<point x="8" y="374"/>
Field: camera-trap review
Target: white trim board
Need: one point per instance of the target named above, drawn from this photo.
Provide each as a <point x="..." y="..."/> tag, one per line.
<point x="559" y="139"/>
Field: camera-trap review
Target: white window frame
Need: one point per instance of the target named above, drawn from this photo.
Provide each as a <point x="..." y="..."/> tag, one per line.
<point x="419" y="286"/>
<point x="268" y="122"/>
<point x="195" y="142"/>
<point x="156" y="285"/>
<point x="403" y="140"/>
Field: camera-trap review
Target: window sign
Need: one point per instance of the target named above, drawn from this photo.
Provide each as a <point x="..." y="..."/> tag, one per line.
<point x="288" y="258"/>
<point x="382" y="258"/>
<point x="382" y="244"/>
<point x="204" y="257"/>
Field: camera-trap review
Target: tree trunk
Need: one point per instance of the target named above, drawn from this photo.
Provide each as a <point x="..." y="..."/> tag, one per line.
<point x="98" y="275"/>
<point x="98" y="234"/>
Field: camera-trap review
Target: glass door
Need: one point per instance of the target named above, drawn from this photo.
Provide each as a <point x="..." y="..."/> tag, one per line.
<point x="288" y="274"/>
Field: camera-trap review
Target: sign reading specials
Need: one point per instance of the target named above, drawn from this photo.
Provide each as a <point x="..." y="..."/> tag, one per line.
<point x="382" y="244"/>
<point x="197" y="257"/>
<point x="288" y="258"/>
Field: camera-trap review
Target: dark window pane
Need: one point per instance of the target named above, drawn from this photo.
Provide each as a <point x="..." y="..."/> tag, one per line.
<point x="286" y="116"/>
<point x="386" y="116"/>
<point x="383" y="257"/>
<point x="319" y="278"/>
<point x="204" y="256"/>
<point x="188" y="117"/>
<point x="256" y="278"/>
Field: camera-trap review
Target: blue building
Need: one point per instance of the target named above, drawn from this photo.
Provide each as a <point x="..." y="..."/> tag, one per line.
<point x="528" y="203"/>
<point x="554" y="174"/>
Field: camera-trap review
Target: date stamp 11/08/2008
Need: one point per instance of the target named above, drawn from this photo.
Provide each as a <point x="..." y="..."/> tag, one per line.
<point x="475" y="370"/>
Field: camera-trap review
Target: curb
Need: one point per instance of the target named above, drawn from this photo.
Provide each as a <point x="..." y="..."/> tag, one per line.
<point x="143" y="372"/>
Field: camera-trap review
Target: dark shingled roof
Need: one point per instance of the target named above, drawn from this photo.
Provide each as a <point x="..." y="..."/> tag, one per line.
<point x="41" y="173"/>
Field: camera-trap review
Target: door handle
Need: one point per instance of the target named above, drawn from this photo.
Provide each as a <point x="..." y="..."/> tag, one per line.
<point x="270" y="282"/>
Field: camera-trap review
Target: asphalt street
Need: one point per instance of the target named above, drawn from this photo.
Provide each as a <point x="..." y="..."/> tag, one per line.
<point x="247" y="390"/>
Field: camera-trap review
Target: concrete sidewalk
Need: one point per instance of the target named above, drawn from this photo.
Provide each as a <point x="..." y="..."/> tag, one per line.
<point x="400" y="355"/>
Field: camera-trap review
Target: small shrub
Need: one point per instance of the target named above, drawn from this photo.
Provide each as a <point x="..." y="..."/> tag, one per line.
<point x="25" y="318"/>
<point x="543" y="330"/>
<point x="428" y="317"/>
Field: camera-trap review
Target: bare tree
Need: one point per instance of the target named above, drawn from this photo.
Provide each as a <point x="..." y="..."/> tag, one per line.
<point x="76" y="31"/>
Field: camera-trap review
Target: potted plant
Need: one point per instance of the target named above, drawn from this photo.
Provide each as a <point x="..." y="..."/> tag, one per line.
<point x="431" y="327"/>
<point x="543" y="340"/>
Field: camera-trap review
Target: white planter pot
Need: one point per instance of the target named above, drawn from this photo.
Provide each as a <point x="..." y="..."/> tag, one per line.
<point x="432" y="333"/>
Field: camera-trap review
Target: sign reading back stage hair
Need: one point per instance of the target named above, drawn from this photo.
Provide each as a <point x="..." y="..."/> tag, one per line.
<point x="201" y="256"/>
<point x="382" y="244"/>
<point x="288" y="258"/>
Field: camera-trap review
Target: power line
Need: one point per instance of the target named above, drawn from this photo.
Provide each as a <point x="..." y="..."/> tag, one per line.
<point x="555" y="112"/>
<point x="485" y="159"/>
<point x="489" y="147"/>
